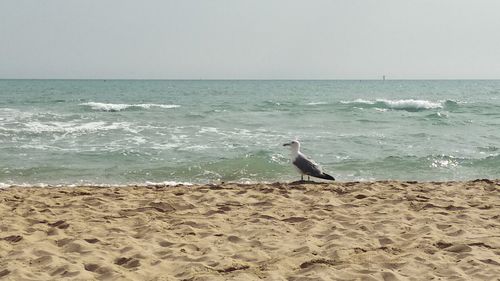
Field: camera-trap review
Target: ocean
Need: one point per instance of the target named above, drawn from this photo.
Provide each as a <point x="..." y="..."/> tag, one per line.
<point x="126" y="132"/>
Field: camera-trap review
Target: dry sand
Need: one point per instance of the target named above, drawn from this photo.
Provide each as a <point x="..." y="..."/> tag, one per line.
<point x="341" y="231"/>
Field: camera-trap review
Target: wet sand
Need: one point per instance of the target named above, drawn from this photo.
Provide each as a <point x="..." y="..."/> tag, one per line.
<point x="383" y="230"/>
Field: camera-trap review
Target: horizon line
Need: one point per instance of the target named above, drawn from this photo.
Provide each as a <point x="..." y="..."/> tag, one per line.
<point x="255" y="79"/>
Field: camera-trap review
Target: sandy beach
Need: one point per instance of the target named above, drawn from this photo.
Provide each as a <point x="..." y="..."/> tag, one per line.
<point x="382" y="230"/>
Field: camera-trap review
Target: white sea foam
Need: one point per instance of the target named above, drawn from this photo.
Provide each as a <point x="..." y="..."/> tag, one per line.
<point x="82" y="184"/>
<point x="409" y="104"/>
<point x="317" y="103"/>
<point x="195" y="148"/>
<point x="7" y="185"/>
<point x="362" y="101"/>
<point x="444" y="163"/>
<point x="99" y="106"/>
<point x="209" y="130"/>
<point x="167" y="183"/>
<point x="10" y="114"/>
<point x="73" y="127"/>
<point x="47" y="147"/>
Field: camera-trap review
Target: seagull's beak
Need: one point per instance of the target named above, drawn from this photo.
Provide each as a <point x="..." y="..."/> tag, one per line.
<point x="287" y="144"/>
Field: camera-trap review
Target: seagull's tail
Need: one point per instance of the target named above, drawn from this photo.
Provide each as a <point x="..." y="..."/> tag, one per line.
<point x="326" y="177"/>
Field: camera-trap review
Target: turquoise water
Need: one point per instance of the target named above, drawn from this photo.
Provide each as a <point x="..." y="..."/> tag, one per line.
<point x="137" y="132"/>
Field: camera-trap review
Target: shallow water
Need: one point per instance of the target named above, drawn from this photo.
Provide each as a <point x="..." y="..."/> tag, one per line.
<point x="128" y="132"/>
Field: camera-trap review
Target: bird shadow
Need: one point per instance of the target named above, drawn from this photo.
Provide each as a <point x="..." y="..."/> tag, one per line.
<point x="300" y="182"/>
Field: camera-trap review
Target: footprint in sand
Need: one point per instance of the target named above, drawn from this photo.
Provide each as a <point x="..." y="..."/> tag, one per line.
<point x="63" y="242"/>
<point x="13" y="238"/>
<point x="360" y="196"/>
<point x="4" y="272"/>
<point x="486" y="261"/>
<point x="221" y="210"/>
<point x="59" y="224"/>
<point x="319" y="261"/>
<point x="294" y="219"/>
<point x="64" y="272"/>
<point x="389" y="276"/>
<point x="92" y="267"/>
<point x="75" y="247"/>
<point x="128" y="262"/>
<point x="43" y="260"/>
<point x="162" y="207"/>
<point x="92" y="240"/>
<point x="234" y="239"/>
<point x="165" y="243"/>
<point x="455" y="248"/>
<point x="233" y="268"/>
<point x="104" y="271"/>
<point x="126" y="249"/>
<point x="385" y="241"/>
<point x="52" y="231"/>
<point x="459" y="248"/>
<point x="302" y="250"/>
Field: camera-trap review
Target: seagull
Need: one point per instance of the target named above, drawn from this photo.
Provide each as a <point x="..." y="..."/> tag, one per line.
<point x="304" y="165"/>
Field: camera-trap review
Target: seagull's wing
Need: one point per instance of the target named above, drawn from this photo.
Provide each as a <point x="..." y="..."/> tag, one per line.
<point x="307" y="166"/>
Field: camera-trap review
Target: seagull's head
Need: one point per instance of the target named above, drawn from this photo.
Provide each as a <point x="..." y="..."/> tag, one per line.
<point x="294" y="145"/>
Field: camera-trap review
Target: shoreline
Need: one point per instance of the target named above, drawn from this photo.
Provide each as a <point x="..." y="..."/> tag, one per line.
<point x="246" y="183"/>
<point x="382" y="230"/>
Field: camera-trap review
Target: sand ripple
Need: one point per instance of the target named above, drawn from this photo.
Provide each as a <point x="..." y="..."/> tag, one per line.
<point x="342" y="231"/>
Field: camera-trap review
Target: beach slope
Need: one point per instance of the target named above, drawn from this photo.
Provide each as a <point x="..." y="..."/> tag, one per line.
<point x="384" y="230"/>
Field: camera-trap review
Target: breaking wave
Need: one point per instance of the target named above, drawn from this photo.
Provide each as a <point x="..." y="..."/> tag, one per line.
<point x="112" y="107"/>
<point x="404" y="104"/>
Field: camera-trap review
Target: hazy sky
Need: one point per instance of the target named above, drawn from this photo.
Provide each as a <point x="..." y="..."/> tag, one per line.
<point x="263" y="39"/>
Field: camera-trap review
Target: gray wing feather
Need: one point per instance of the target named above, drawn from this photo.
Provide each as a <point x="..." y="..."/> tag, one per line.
<point x="307" y="166"/>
